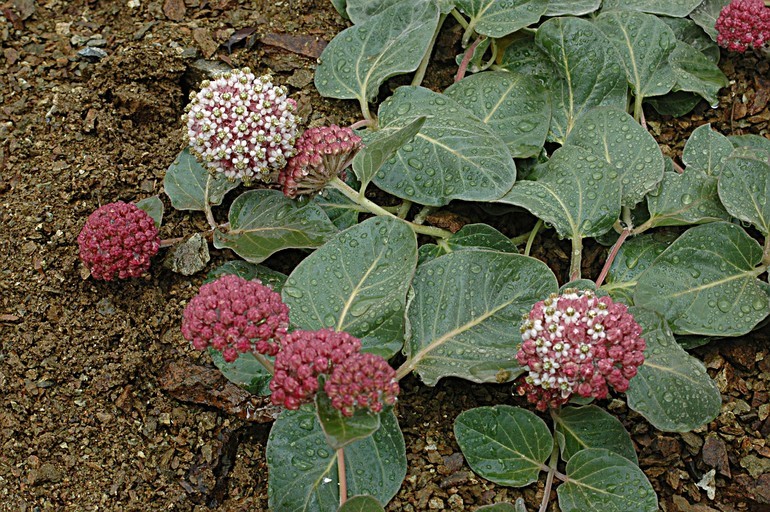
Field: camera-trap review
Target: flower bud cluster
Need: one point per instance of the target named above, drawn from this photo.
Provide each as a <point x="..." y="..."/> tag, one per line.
<point x="321" y="154"/>
<point x="743" y="24"/>
<point x="578" y="343"/>
<point x="118" y="240"/>
<point x="363" y="380"/>
<point x="242" y="126"/>
<point x="304" y="356"/>
<point x="235" y="316"/>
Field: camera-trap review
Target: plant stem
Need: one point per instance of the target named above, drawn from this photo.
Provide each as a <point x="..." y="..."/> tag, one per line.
<point x="423" y="214"/>
<point x="376" y="209"/>
<point x="420" y="73"/>
<point x="551" y="470"/>
<point x="363" y="123"/>
<point x="611" y="256"/>
<point x="264" y="362"/>
<point x="168" y="242"/>
<point x="766" y="252"/>
<point x="576" y="258"/>
<point x="403" y="209"/>
<point x="341" y="475"/>
<point x="459" y="17"/>
<point x="532" y="235"/>
<point x="365" y="111"/>
<point x="466" y="60"/>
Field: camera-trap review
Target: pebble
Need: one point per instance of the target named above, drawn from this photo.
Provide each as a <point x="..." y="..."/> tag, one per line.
<point x="436" y="504"/>
<point x="92" y="54"/>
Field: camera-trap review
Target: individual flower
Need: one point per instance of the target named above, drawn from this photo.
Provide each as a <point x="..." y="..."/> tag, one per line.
<point x="322" y="154"/>
<point x="235" y="316"/>
<point x="305" y="355"/>
<point x="362" y="381"/>
<point x="578" y="343"/>
<point x="743" y="24"/>
<point x="242" y="126"/>
<point x="118" y="240"/>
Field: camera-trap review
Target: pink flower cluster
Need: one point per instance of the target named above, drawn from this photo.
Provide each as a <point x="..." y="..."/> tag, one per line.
<point x="578" y="343"/>
<point x="743" y="24"/>
<point x="354" y="380"/>
<point x="118" y="240"/>
<point x="322" y="154"/>
<point x="235" y="316"/>
<point x="242" y="126"/>
<point x="364" y="380"/>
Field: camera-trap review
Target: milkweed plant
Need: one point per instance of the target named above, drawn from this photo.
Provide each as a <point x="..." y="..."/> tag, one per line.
<point x="545" y="119"/>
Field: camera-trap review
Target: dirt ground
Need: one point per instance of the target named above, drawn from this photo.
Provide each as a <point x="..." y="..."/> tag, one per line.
<point x="91" y="94"/>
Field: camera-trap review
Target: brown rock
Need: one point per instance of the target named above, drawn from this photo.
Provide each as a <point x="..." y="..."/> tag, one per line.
<point x="174" y="9"/>
<point x="741" y="355"/>
<point x="762" y="489"/>
<point x="682" y="505"/>
<point x="715" y="454"/>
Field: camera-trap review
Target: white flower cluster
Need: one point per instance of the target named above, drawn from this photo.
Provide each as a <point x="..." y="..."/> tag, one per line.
<point x="242" y="126"/>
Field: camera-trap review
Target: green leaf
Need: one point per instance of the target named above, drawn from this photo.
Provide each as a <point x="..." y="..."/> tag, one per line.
<point x="592" y="427"/>
<point x="588" y="69"/>
<point x="706" y="150"/>
<point x="571" y="7"/>
<point x="361" y="504"/>
<point x="360" y="58"/>
<point x="626" y="146"/>
<point x="341" y="211"/>
<point x="672" y="389"/>
<point x="706" y="14"/>
<point x="190" y="186"/>
<point x="339" y="6"/>
<point x="378" y="150"/>
<point x="263" y="222"/>
<point x="303" y="468"/>
<point x="744" y="188"/>
<point x="454" y="156"/>
<point x="756" y="142"/>
<point x="154" y="208"/>
<point x="684" y="199"/>
<point x="497" y="19"/>
<point x="688" y="32"/>
<point x="249" y="271"/>
<point x="523" y="57"/>
<point x="599" y="479"/>
<point x="506" y="445"/>
<point x="696" y="73"/>
<point x="644" y="44"/>
<point x="513" y="105"/>
<point x="673" y="8"/>
<point x="477" y="56"/>
<point x="706" y="282"/>
<point x="245" y="372"/>
<point x="357" y="283"/>
<point x="518" y="506"/>
<point x="340" y="431"/>
<point x="579" y="194"/>
<point x="463" y="310"/>
<point x="633" y="258"/>
<point x="470" y="236"/>
<point x="674" y="104"/>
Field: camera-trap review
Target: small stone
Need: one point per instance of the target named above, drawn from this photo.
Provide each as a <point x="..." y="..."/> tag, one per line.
<point x="762" y="489"/>
<point x="97" y="42"/>
<point x="92" y="54"/>
<point x="188" y="257"/>
<point x="455" y="502"/>
<point x="755" y="466"/>
<point x="715" y="454"/>
<point x="63" y="28"/>
<point x="436" y="504"/>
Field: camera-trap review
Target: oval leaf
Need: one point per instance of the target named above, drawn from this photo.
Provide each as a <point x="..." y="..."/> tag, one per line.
<point x="644" y="43"/>
<point x="633" y="258"/>
<point x="706" y="14"/>
<point x="245" y="372"/>
<point x="684" y="199"/>
<point x="599" y="479"/>
<point x="190" y="186"/>
<point x="361" y="504"/>
<point x="470" y="236"/>
<point x="154" y="208"/>
<point x="673" y="8"/>
<point x="263" y="222"/>
<point x="357" y="283"/>
<point x="360" y="58"/>
<point x="578" y="428"/>
<point x="706" y="150"/>
<point x="249" y="271"/>
<point x="706" y="282"/>
<point x="341" y="430"/>
<point x="454" y="156"/>
<point x="624" y="144"/>
<point x="513" y="105"/>
<point x="579" y="194"/>
<point x="523" y="57"/>
<point x="378" y="150"/>
<point x="506" y="445"/>
<point x="571" y="7"/>
<point x="461" y="314"/>
<point x="696" y="73"/>
<point x="744" y="188"/>
<point x="518" y="506"/>
<point x="303" y="468"/>
<point x="497" y="19"/>
<point x="589" y="72"/>
<point x="672" y="389"/>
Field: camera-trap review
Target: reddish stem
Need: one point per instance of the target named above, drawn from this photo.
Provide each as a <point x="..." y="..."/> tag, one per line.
<point x="611" y="256"/>
<point x="466" y="60"/>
